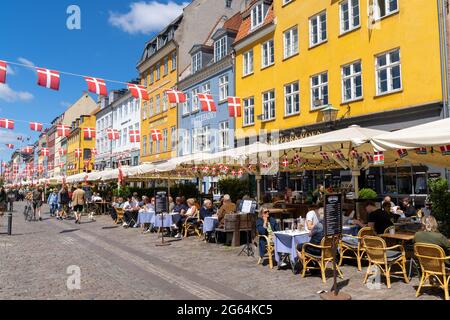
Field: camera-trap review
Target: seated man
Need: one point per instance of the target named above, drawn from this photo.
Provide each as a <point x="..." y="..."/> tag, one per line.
<point x="265" y="226"/>
<point x="408" y="208"/>
<point x="131" y="210"/>
<point x="377" y="218"/>
<point x="207" y="210"/>
<point x="226" y="208"/>
<point x="148" y="206"/>
<point x="116" y="203"/>
<point x="316" y="234"/>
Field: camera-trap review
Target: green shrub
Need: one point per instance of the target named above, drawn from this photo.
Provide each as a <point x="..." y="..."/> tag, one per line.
<point x="236" y="188"/>
<point x="440" y="197"/>
<point x="367" y="193"/>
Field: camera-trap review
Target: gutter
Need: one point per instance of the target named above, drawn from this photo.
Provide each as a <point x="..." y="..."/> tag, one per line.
<point x="443" y="43"/>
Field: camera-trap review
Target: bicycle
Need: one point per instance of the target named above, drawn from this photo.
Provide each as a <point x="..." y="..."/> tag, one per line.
<point x="28" y="211"/>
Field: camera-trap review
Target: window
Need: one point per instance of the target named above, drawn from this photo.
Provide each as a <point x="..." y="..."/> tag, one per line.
<point x="388" y="72"/>
<point x="228" y="3"/>
<point x="268" y="106"/>
<point x="220" y="48"/>
<point x="257" y="15"/>
<point x="286" y="2"/>
<point x="166" y="65"/>
<point x="164" y="102"/>
<point x="158" y="104"/>
<point x="318" y="29"/>
<point x="206" y="88"/>
<point x="158" y="147"/>
<point x="223" y="87"/>
<point x="165" y="140"/>
<point x="144" y="110"/>
<point x="173" y="137"/>
<point x="186" y="149"/>
<point x="249" y="111"/>
<point x="151" y="75"/>
<point x="224" y="135"/>
<point x="150" y="147"/>
<point x="186" y="105"/>
<point x="291" y="99"/>
<point x="351" y="81"/>
<point x="349" y="15"/>
<point x="384" y="8"/>
<point x="290" y="42"/>
<point x="196" y="62"/>
<point x="268" y="57"/>
<point x="174" y="60"/>
<point x="150" y="111"/>
<point x="195" y="140"/>
<point x="319" y="90"/>
<point x="204" y="139"/>
<point x="195" y="105"/>
<point x="158" y="71"/>
<point x="125" y="137"/>
<point x="248" y="63"/>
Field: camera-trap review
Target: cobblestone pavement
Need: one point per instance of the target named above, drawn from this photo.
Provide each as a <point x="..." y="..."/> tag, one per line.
<point x="117" y="263"/>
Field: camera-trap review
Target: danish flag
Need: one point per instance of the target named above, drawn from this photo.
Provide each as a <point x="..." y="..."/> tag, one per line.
<point x="445" y="150"/>
<point x="6" y="123"/>
<point x="89" y="133"/>
<point x="135" y="136"/>
<point x="297" y="158"/>
<point x="175" y="96"/>
<point x="378" y="157"/>
<point x="422" y="150"/>
<point x="265" y="164"/>
<point x="113" y="134"/>
<point x="10" y="146"/>
<point x="2" y="72"/>
<point x="369" y="156"/>
<point x="339" y="155"/>
<point x="63" y="131"/>
<point x="44" y="152"/>
<point x="62" y="151"/>
<point x="36" y="126"/>
<point x="78" y="153"/>
<point x="61" y="165"/>
<point x="402" y="153"/>
<point x="94" y="151"/>
<point x="285" y="162"/>
<point x="355" y="154"/>
<point x="325" y="156"/>
<point x="27" y="150"/>
<point x="48" y="78"/>
<point x="137" y="91"/>
<point x="234" y="107"/>
<point x="97" y="85"/>
<point x="156" y="134"/>
<point x="207" y="102"/>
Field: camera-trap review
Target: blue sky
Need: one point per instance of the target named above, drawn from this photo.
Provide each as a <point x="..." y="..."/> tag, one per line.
<point x="109" y="44"/>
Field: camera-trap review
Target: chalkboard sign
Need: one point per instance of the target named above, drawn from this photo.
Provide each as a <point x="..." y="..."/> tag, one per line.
<point x="332" y="214"/>
<point x="161" y="202"/>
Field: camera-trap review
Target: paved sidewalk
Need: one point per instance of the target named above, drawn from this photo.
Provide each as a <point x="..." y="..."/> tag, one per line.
<point x="117" y="263"/>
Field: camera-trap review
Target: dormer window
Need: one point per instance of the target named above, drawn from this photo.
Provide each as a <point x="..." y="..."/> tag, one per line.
<point x="196" y="62"/>
<point x="220" y="48"/>
<point x="257" y="15"/>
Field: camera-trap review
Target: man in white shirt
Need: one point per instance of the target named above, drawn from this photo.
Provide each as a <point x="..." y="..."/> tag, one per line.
<point x="131" y="210"/>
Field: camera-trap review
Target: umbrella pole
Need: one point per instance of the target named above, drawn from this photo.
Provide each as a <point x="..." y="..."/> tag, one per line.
<point x="258" y="188"/>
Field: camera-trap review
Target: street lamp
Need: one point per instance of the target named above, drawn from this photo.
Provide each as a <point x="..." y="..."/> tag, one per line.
<point x="329" y="113"/>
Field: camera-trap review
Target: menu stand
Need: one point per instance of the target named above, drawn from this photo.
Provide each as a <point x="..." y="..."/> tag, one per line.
<point x="161" y="206"/>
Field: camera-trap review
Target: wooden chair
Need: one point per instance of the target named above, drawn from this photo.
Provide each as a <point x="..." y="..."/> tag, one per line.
<point x="120" y="213"/>
<point x="354" y="245"/>
<point x="191" y="225"/>
<point x="432" y="263"/>
<point x="325" y="257"/>
<point x="269" y="249"/>
<point x="384" y="258"/>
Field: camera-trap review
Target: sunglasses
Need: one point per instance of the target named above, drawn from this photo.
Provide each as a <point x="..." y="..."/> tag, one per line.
<point x="266" y="211"/>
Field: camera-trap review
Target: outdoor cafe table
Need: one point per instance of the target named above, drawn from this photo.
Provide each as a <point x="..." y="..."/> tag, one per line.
<point x="167" y="220"/>
<point x="146" y="217"/>
<point x="403" y="237"/>
<point x="210" y="224"/>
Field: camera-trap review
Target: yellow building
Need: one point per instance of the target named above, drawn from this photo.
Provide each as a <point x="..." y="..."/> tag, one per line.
<point x="158" y="72"/>
<point x="378" y="66"/>
<point x="76" y="140"/>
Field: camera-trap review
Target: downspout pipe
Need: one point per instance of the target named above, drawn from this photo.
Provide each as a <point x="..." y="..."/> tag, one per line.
<point x="443" y="43"/>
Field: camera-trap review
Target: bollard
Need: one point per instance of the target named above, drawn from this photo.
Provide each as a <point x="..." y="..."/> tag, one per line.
<point x="9" y="223"/>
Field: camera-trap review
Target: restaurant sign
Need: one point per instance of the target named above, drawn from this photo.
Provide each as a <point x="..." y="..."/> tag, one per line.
<point x="332" y="214"/>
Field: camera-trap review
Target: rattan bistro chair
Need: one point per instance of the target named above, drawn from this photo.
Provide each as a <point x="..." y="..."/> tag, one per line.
<point x="354" y="245"/>
<point x="193" y="225"/>
<point x="384" y="258"/>
<point x="120" y="212"/>
<point x="325" y="257"/>
<point x="432" y="262"/>
<point x="269" y="249"/>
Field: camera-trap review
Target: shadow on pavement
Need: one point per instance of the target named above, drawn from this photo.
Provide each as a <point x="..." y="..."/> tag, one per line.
<point x="69" y="230"/>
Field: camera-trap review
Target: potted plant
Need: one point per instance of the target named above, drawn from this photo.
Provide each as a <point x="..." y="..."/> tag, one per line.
<point x="440" y="199"/>
<point x="364" y="195"/>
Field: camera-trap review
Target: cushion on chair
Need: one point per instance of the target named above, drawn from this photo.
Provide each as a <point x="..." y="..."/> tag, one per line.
<point x="351" y="242"/>
<point x="393" y="255"/>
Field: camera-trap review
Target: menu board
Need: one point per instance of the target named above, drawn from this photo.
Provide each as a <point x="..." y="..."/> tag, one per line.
<point x="332" y="214"/>
<point x="161" y="202"/>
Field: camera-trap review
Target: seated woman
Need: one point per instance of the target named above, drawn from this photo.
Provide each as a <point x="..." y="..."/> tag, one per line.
<point x="191" y="216"/>
<point x="148" y="207"/>
<point x="265" y="226"/>
<point x="430" y="234"/>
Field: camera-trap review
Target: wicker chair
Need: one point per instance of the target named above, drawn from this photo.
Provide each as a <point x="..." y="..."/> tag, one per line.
<point x="120" y="212"/>
<point x="384" y="258"/>
<point x="354" y="245"/>
<point x="193" y="226"/>
<point x="432" y="262"/>
<point x="269" y="249"/>
<point x="325" y="257"/>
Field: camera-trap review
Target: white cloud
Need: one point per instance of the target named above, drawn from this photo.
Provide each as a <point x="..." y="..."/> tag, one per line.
<point x="10" y="70"/>
<point x="7" y="136"/>
<point x="25" y="61"/>
<point x="9" y="95"/>
<point x="147" y="17"/>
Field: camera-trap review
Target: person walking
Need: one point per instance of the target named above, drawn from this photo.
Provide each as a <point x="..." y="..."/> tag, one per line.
<point x="63" y="203"/>
<point x="53" y="202"/>
<point x="78" y="202"/>
<point x="2" y="201"/>
<point x="38" y="199"/>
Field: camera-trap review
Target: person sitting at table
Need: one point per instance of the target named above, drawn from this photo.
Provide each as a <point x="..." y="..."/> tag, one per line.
<point x="227" y="207"/>
<point x="131" y="210"/>
<point x="191" y="215"/>
<point x="96" y="198"/>
<point x="377" y="219"/>
<point x="171" y="204"/>
<point x="148" y="206"/>
<point x="408" y="208"/>
<point x="388" y="199"/>
<point x="312" y="217"/>
<point x="207" y="209"/>
<point x="180" y="207"/>
<point x="430" y="234"/>
<point x="316" y="234"/>
<point x="388" y="209"/>
<point x="265" y="226"/>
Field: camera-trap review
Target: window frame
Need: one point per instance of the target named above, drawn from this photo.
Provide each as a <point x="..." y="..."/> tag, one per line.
<point x="390" y="13"/>
<point x="351" y="16"/>
<point x="288" y="51"/>
<point x="265" y="102"/>
<point x="246" y="70"/>
<point x="317" y="18"/>
<point x="319" y="86"/>
<point x="196" y="62"/>
<point x="220" y="49"/>
<point x="270" y="54"/>
<point x="224" y="135"/>
<point x="291" y="97"/>
<point x="247" y="111"/>
<point x="352" y="77"/>
<point x="223" y="87"/>
<point x="254" y="25"/>
<point x="389" y="66"/>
